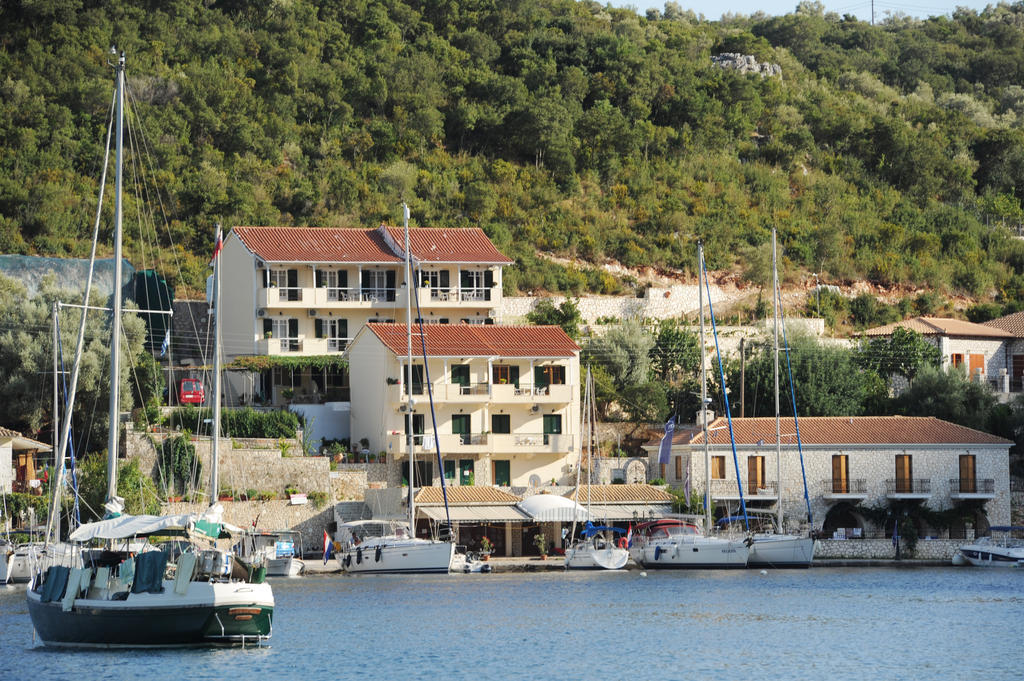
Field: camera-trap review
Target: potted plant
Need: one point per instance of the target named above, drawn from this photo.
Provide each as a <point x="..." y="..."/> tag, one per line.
<point x="485" y="548"/>
<point x="268" y="334"/>
<point x="542" y="545"/>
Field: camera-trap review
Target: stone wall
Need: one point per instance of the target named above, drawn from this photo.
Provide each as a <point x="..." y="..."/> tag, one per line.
<point x="658" y="303"/>
<point x="272" y="515"/>
<point x="883" y="549"/>
<point x="262" y="469"/>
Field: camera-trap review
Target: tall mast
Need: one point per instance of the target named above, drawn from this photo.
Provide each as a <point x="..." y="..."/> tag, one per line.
<point x="704" y="393"/>
<point x="115" y="322"/>
<point x="410" y="289"/>
<point x="215" y="436"/>
<point x="57" y="452"/>
<point x="778" y="420"/>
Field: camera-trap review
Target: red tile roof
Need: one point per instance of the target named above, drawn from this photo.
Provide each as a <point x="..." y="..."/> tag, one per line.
<point x="381" y="245"/>
<point x="940" y="326"/>
<point x="844" y="430"/>
<point x="448" y="245"/>
<point x="479" y="340"/>
<point x="1013" y="323"/>
<point x="316" y="244"/>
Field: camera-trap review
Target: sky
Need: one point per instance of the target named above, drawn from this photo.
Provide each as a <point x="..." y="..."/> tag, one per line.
<point x="713" y="9"/>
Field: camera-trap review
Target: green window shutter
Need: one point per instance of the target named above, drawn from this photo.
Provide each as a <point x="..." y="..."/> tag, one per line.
<point x="449" y="470"/>
<point x="318" y="325"/>
<point x="501" y="423"/>
<point x="293" y="278"/>
<point x="464" y="280"/>
<point x="445" y="279"/>
<point x="319" y="277"/>
<point x="293" y="328"/>
<point x="488" y="279"/>
<point x="513" y="375"/>
<point x="342" y="328"/>
<point x="266" y="278"/>
<point x="540" y="377"/>
<point x="342" y="278"/>
<point x="268" y="326"/>
<point x="503" y="473"/>
<point x="389" y="278"/>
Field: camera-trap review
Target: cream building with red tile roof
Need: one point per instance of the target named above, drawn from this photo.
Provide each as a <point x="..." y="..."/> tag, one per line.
<point x="505" y="399"/>
<point x="848" y="460"/>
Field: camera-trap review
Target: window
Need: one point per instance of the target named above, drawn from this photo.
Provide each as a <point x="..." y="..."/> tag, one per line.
<point x="501" y="423"/>
<point x="502" y="473"/>
<point x="417" y="428"/>
<point x="968" y="479"/>
<point x="549" y="375"/>
<point x="460" y="376"/>
<point x="904" y="473"/>
<point x="424" y="471"/>
<point x="718" y="468"/>
<point x="417" y="379"/>
<point x="337" y="334"/>
<point x="504" y="373"/>
<point x="840" y="474"/>
<point x="378" y="285"/>
<point x="679" y="467"/>
<point x="336" y="283"/>
<point x="460" y="426"/>
<point x="283" y="334"/>
<point x="552" y="426"/>
<point x="449" y="471"/>
<point x="976" y="364"/>
<point x="286" y="282"/>
<point x="956" y="359"/>
<point x="755" y="473"/>
<point x="438" y="281"/>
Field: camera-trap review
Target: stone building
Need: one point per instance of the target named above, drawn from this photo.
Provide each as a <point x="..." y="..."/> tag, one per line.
<point x="848" y="462"/>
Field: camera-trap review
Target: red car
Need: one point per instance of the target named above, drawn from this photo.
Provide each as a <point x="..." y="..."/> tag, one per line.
<point x="191" y="391"/>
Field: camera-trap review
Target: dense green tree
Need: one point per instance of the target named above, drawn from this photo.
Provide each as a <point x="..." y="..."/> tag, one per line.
<point x="903" y="353"/>
<point x="948" y="395"/>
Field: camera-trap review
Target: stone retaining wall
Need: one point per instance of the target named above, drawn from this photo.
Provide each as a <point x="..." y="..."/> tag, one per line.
<point x="241" y="469"/>
<point x="272" y="515"/>
<point x="658" y="303"/>
<point x="927" y="549"/>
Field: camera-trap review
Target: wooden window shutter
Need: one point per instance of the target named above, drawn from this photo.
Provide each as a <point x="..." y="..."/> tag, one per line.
<point x="318" y="325"/>
<point x="319" y="279"/>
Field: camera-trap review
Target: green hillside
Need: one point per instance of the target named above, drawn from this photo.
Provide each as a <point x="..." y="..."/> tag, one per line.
<point x="891" y="153"/>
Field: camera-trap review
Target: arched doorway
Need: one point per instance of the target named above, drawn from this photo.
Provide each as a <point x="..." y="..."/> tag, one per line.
<point x="843" y="515"/>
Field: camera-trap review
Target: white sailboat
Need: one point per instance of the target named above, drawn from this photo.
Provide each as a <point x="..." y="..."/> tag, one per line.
<point x="116" y="598"/>
<point x="596" y="547"/>
<point x="391" y="546"/>
<point x="775" y="548"/>
<point x="679" y="543"/>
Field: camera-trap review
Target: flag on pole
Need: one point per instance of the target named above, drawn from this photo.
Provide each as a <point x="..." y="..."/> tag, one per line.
<point x="166" y="344"/>
<point x="665" y="452"/>
<point x="327" y="547"/>
<point x="629" y="536"/>
<point x="218" y="244"/>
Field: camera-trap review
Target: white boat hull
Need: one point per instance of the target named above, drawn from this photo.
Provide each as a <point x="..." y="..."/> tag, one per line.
<point x="19" y="564"/>
<point x="391" y="555"/>
<point x="780" y="551"/>
<point x="980" y="555"/>
<point x="692" y="553"/>
<point x="587" y="557"/>
<point x="285" y="567"/>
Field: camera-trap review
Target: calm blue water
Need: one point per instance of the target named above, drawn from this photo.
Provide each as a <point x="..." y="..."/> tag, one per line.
<point x="858" y="623"/>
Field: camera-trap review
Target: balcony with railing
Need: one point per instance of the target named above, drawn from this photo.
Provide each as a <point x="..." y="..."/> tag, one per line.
<point x="972" y="488"/>
<point x="453" y="296"/>
<point x="486" y="443"/>
<point x="283" y="296"/>
<point x="845" y="488"/>
<point x="352" y="297"/>
<point x="764" y="490"/>
<point x="280" y="346"/>
<point x="908" y="488"/>
<point x="495" y="393"/>
<point x="320" y="346"/>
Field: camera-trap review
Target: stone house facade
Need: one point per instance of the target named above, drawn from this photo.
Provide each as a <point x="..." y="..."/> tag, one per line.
<point x="847" y="461"/>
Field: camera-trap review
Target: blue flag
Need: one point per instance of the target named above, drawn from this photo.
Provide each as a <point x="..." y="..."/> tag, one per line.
<point x="665" y="452"/>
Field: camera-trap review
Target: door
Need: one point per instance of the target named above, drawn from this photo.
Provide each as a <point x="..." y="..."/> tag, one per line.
<point x="840" y="474"/>
<point x="449" y="471"/>
<point x="502" y="473"/>
<point x="424" y="473"/>
<point x="417" y="379"/>
<point x="977" y="364"/>
<point x="552" y="426"/>
<point x="418" y="428"/>
<point x="904" y="474"/>
<point x="460" y="427"/>
<point x="968" y="481"/>
<point x="466" y="472"/>
<point x="1017" y="379"/>
<point x="755" y="473"/>
<point x="460" y="377"/>
<point x="504" y="373"/>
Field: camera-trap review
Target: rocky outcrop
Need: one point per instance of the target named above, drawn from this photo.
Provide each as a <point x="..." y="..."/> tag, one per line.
<point x="745" y="63"/>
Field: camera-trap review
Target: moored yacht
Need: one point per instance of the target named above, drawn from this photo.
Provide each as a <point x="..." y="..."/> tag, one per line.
<point x="1004" y="548"/>
<point x="674" y="543"/>
<point x="387" y="546"/>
